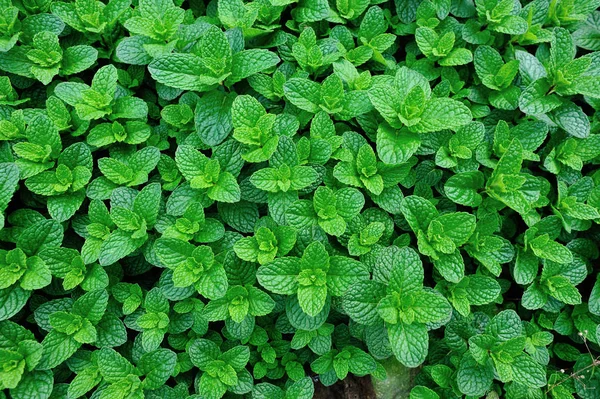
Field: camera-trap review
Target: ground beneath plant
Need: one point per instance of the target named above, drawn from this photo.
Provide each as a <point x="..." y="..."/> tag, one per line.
<point x="350" y="388"/>
<point x="397" y="385"/>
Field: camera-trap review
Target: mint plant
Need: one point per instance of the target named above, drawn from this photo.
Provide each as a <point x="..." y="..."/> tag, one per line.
<point x="312" y="277"/>
<point x="43" y="58"/>
<point x="262" y="199"/>
<point x="192" y="265"/>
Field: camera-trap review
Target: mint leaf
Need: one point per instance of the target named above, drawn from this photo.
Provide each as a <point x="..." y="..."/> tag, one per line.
<point x="410" y="343"/>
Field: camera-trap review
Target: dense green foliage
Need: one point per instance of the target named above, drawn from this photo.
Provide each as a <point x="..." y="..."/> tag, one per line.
<point x="230" y="198"/>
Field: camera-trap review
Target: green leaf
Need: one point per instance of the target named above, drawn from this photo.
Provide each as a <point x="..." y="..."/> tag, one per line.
<point x="118" y="245"/>
<point x="526" y="267"/>
<point x="343" y="272"/>
<point x="396" y="146"/>
<point x="406" y="275"/>
<point x="571" y="119"/>
<point x="443" y="113"/>
<point x="594" y="301"/>
<point x="12" y="300"/>
<point x="545" y="248"/>
<point x="418" y="212"/>
<point x="77" y="59"/>
<point x="40" y="235"/>
<point x="311" y="10"/>
<point x="249" y="62"/>
<point x="463" y="188"/>
<point x="430" y="307"/>
<point x="226" y="189"/>
<point x="421" y="392"/>
<point x="535" y="101"/>
<point x="301" y="389"/>
<point x="528" y="372"/>
<point x="505" y="325"/>
<point x="312" y="299"/>
<point x="157" y="366"/>
<point x="38" y="384"/>
<point x="37" y="275"/>
<point x="213" y="117"/>
<point x="280" y="275"/>
<point x="112" y="366"/>
<point x="562" y="289"/>
<point x="58" y="347"/>
<point x="202" y="352"/>
<point x="361" y="299"/>
<point x="9" y="177"/>
<point x="303" y="93"/>
<point x="63" y="207"/>
<point x="147" y="202"/>
<point x="183" y="71"/>
<point x="474" y="379"/>
<point x="482" y="290"/>
<point x="458" y="226"/>
<point x="410" y="342"/>
<point x="451" y="266"/>
<point x="91" y="305"/>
